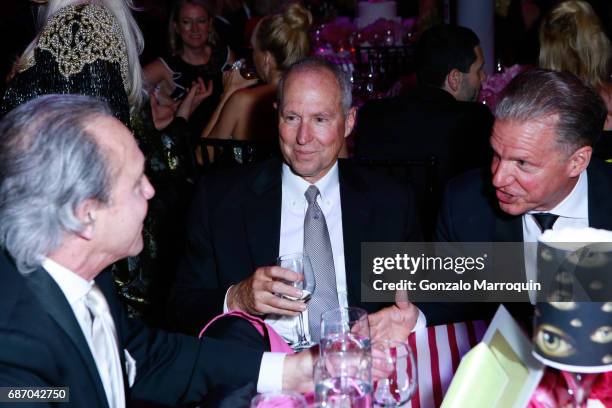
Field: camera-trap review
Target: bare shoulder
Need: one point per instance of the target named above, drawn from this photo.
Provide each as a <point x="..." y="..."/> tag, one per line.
<point x="606" y="93"/>
<point x="251" y="96"/>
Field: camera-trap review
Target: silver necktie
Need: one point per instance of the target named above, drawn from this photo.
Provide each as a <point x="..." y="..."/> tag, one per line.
<point x="318" y="248"/>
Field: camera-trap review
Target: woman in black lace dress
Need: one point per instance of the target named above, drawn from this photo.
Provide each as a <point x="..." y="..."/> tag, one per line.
<point x="92" y="49"/>
<point x="195" y="52"/>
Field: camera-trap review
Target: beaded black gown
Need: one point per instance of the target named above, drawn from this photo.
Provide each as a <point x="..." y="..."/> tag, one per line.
<point x="82" y="50"/>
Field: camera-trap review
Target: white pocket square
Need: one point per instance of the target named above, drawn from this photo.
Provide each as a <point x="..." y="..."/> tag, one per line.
<point x="130" y="368"/>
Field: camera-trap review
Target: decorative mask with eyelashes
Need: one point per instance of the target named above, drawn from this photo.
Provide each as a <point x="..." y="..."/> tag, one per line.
<point x="576" y="334"/>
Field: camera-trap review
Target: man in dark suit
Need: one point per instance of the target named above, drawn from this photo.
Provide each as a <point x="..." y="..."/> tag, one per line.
<point x="73" y="197"/>
<point x="242" y="221"/>
<point x="542" y="174"/>
<point x="440" y="117"/>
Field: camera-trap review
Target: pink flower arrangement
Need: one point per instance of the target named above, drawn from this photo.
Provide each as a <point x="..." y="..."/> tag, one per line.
<point x="342" y="34"/>
<point x="338" y="32"/>
<point x="381" y="32"/>
<point x="495" y="84"/>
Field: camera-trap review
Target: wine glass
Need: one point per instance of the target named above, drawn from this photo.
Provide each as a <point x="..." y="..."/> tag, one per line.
<point x="246" y="68"/>
<point x="400" y="368"/>
<point x="300" y="263"/>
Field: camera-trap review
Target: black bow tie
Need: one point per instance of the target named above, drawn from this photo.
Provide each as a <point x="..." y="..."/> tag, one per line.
<point x="545" y="220"/>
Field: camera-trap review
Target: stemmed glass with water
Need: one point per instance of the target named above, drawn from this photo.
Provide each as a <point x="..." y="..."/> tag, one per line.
<point x="343" y="373"/>
<point x="300" y="263"/>
<point x="400" y="380"/>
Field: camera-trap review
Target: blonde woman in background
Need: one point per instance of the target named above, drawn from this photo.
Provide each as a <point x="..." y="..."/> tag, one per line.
<point x="572" y="39"/>
<point x="195" y="52"/>
<point x="247" y="113"/>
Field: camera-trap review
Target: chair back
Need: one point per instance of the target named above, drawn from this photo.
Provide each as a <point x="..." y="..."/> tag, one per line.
<point x="384" y="65"/>
<point x="230" y="153"/>
<point x="603" y="147"/>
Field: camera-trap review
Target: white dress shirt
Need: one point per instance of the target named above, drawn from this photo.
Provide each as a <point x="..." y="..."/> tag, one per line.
<point x="293" y="211"/>
<point x="573" y="212"/>
<point x="76" y="288"/>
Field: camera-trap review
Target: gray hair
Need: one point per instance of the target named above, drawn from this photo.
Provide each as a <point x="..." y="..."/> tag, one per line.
<point x="538" y="94"/>
<point x="318" y="64"/>
<point x="49" y="164"/>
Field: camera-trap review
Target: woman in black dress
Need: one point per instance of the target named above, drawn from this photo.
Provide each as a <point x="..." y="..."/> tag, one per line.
<point x="195" y="52"/>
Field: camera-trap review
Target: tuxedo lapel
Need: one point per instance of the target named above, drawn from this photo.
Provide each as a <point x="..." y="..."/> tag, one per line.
<point x="508" y="229"/>
<point x="600" y="191"/>
<point x="356" y="211"/>
<point x="262" y="214"/>
<point x="56" y="305"/>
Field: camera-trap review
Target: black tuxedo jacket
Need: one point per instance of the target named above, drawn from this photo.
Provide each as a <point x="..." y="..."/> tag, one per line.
<point x="427" y="121"/>
<point x="424" y="123"/>
<point x="235" y="228"/>
<point x="470" y="213"/>
<point x="41" y="344"/>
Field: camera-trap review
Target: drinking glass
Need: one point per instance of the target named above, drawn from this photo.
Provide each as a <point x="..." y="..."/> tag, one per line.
<point x="401" y="381"/>
<point x="342" y="381"/>
<point x="285" y="399"/>
<point x="345" y="329"/>
<point x="300" y="263"/>
<point x="245" y="66"/>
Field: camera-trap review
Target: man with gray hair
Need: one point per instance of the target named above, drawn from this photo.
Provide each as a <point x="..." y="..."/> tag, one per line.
<point x="542" y="174"/>
<point x="309" y="202"/>
<point x="73" y="197"/>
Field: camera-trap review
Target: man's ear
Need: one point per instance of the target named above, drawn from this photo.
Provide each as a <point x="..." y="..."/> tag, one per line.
<point x="349" y="121"/>
<point x="579" y="160"/>
<point x="453" y="81"/>
<point x="86" y="214"/>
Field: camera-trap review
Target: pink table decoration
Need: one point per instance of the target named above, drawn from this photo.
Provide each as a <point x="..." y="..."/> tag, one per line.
<point x="495" y="84"/>
<point x="553" y="390"/>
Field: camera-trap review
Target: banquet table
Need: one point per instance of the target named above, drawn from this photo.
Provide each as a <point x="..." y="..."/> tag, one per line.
<point x="438" y="351"/>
